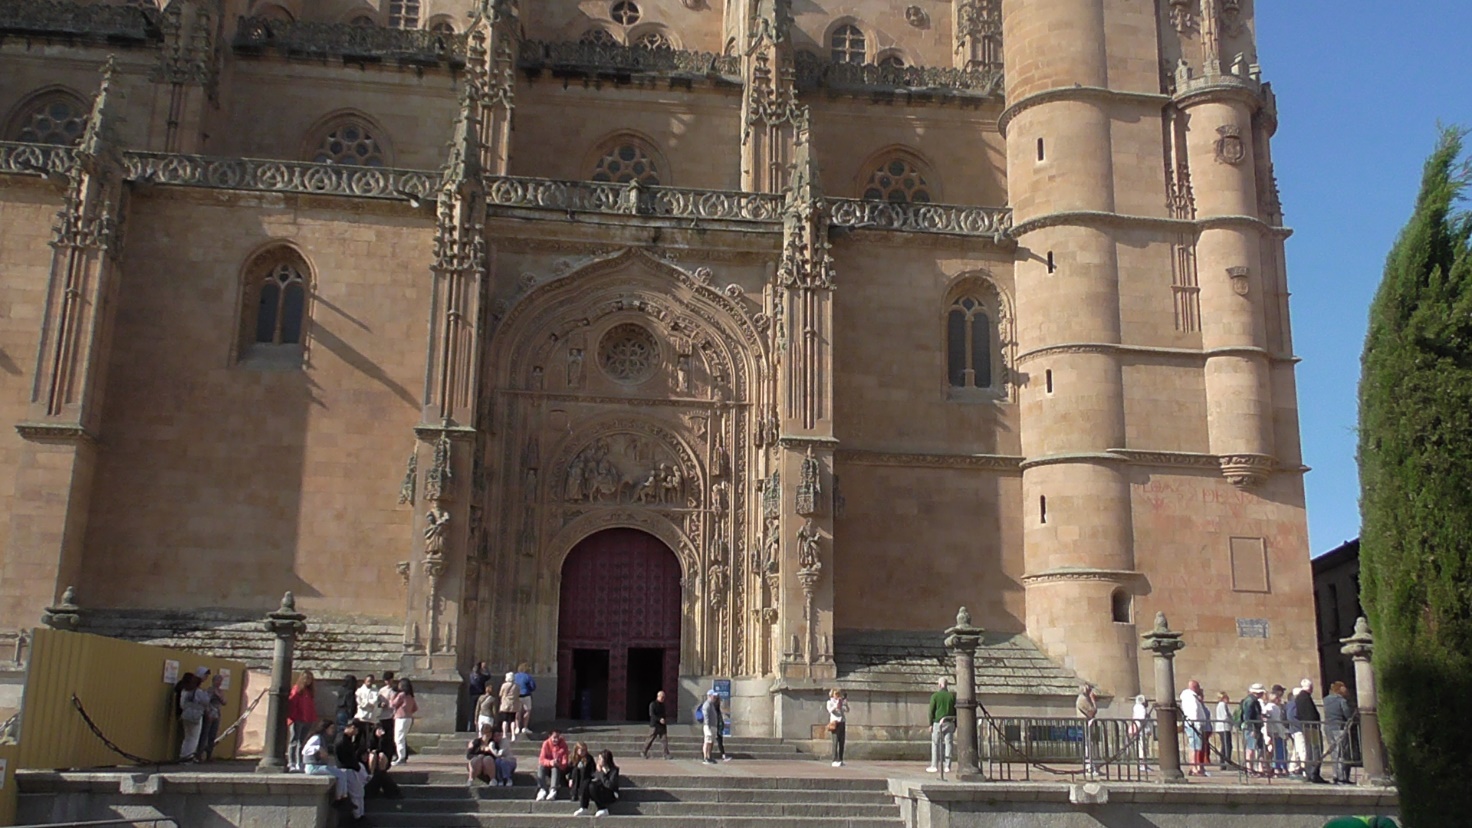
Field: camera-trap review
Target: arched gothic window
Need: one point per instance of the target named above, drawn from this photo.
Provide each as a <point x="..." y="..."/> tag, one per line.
<point x="599" y="36"/>
<point x="897" y="180"/>
<point x="655" y="40"/>
<point x="970" y="344"/>
<point x="892" y="60"/>
<point x="627" y="160"/>
<point x="403" y="14"/>
<point x="847" y="44"/>
<point x="442" y="26"/>
<point x="274" y="305"/>
<point x="350" y="142"/>
<point x="625" y="12"/>
<point x="363" y="21"/>
<point x="52" y="118"/>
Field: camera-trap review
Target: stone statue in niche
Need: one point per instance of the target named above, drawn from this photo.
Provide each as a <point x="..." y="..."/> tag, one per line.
<point x="808" y="487"/>
<point x="682" y="373"/>
<point x="537" y="378"/>
<point x="721" y="461"/>
<point x="575" y="368"/>
<point x="808" y="554"/>
<point x="436" y="521"/>
<point x="720" y="498"/>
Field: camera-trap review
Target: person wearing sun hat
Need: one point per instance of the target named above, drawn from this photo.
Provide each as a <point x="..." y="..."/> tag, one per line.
<point x="1251" y="723"/>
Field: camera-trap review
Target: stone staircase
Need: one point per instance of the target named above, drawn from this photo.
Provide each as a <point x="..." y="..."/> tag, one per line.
<point x="442" y="800"/>
<point x="436" y="795"/>
<point x="899" y="661"/>
<point x="625" y="741"/>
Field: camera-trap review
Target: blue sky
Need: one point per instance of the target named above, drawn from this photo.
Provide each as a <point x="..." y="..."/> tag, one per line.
<point x="1361" y="87"/>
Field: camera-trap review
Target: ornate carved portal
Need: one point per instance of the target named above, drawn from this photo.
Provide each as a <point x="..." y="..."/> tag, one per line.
<point x="645" y="422"/>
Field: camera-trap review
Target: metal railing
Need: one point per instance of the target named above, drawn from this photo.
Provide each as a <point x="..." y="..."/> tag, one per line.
<point x="1024" y="748"/>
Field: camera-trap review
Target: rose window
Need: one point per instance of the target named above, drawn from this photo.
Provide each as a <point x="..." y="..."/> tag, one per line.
<point x="628" y="353"/>
<point x="53" y="120"/>
<point x="897" y="180"/>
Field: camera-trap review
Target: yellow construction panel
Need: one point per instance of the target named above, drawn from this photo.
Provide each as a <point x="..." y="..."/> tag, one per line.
<point x="123" y="688"/>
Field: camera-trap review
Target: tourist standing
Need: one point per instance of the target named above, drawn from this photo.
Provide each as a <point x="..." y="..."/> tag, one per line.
<point x="386" y="725"/>
<point x="1140" y="729"/>
<point x="1251" y="715"/>
<point x="942" y="725"/>
<point x="838" y="723"/>
<point x="1337" y="713"/>
<point x="347" y="701"/>
<point x="710" y="725"/>
<point x="487" y="709"/>
<point x="658" y="727"/>
<point x="603" y="789"/>
<point x="405" y="707"/>
<point x="1198" y="727"/>
<point x="526" y="686"/>
<point x="1222" y="724"/>
<point x="192" y="705"/>
<point x="366" y="697"/>
<point x="475" y="688"/>
<point x="551" y="765"/>
<point x="1087" y="706"/>
<point x="720" y="718"/>
<point x="301" y="716"/>
<point x="212" y="718"/>
<point x="510" y="706"/>
<point x="1275" y="731"/>
<point x="1309" y="739"/>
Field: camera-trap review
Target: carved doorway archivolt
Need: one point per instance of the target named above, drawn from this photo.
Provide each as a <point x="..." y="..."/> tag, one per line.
<point x="618" y="625"/>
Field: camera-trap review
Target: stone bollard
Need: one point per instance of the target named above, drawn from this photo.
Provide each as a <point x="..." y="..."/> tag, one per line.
<point x="1164" y="643"/>
<point x="65" y="615"/>
<point x="1360" y="647"/>
<point x="286" y="624"/>
<point x="962" y="640"/>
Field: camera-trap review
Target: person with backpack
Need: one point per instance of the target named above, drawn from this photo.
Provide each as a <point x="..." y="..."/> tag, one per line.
<point x="1249" y="721"/>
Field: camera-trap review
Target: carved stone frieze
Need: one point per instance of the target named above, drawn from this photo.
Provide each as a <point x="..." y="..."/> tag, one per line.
<point x="116" y="23"/>
<point x="413" y="47"/>
<point x="983" y="222"/>
<point x="257" y="175"/>
<point x="1247" y="470"/>
<point x="565" y="57"/>
<point x="814" y="72"/>
<point x="621" y="199"/>
<point x="625" y="468"/>
<point x="411" y="479"/>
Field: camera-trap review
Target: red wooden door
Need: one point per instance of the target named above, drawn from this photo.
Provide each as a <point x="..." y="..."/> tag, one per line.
<point x="620" y="591"/>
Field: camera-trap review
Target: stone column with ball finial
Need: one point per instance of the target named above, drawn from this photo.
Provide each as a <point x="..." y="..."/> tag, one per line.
<point x="1165" y="643"/>
<point x="286" y="624"/>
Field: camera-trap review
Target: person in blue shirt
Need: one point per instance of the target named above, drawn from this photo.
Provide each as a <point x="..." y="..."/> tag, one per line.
<point x="526" y="686"/>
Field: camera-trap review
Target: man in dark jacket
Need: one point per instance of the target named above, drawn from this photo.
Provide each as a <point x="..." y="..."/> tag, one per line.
<point x="475" y="687"/>
<point x="1313" y="742"/>
<point x="658" y="727"/>
<point x="1337" y="712"/>
<point x="349" y="752"/>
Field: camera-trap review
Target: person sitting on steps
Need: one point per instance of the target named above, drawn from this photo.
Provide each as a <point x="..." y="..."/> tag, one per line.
<point x="552" y="764"/>
<point x="602" y="790"/>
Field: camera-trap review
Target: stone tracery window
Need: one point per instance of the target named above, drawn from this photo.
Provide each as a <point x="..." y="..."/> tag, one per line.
<point x="970" y="343"/>
<point x="350" y="142"/>
<point x="847" y="44"/>
<point x="628" y="353"/>
<point x="655" y="40"/>
<point x="627" y="160"/>
<point x="403" y="14"/>
<point x="899" y="180"/>
<point x="599" y="36"/>
<point x="274" y="307"/>
<point x="52" y="118"/>
<point x="625" y="12"/>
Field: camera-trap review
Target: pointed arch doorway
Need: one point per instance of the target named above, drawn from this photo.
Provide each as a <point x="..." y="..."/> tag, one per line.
<point x="618" y="626"/>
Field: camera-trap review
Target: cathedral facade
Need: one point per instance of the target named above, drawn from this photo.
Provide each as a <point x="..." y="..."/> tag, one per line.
<point x="655" y="341"/>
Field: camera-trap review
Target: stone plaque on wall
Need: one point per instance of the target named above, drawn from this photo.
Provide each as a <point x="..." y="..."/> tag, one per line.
<point x="1249" y="565"/>
<point x="1252" y="628"/>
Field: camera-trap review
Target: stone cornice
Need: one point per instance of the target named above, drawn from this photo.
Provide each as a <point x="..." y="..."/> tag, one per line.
<point x="430" y="431"/>
<point x="814" y="441"/>
<point x="1173" y="459"/>
<point x="55" y="433"/>
<point x="1078" y="93"/>
<point x="631" y="402"/>
<point x="1218" y="87"/>
<point x="1151" y="351"/>
<point x="1068" y="573"/>
<point x="1105" y="219"/>
<point x="1072" y="457"/>
<point x="983" y="462"/>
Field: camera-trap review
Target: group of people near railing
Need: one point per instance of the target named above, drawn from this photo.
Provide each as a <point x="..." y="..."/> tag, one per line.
<point x="1280" y="732"/>
<point x="357" y="749"/>
<point x="199" y="700"/>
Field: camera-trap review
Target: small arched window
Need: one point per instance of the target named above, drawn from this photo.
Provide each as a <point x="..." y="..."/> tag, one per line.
<point x="847" y="44"/>
<point x="442" y="26"/>
<point x="626" y="160"/>
<point x="654" y="40"/>
<point x="362" y="21"/>
<point x="350" y="142"/>
<point x="403" y="14"/>
<point x="1120" y="607"/>
<point x="52" y="118"/>
<point x="892" y="60"/>
<point x="897" y="180"/>
<point x="970" y="341"/>
<point x="272" y="11"/>
<point x="599" y="36"/>
<point x="274" y="304"/>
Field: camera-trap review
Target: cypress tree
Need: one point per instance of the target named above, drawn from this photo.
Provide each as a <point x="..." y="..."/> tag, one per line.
<point x="1415" y="459"/>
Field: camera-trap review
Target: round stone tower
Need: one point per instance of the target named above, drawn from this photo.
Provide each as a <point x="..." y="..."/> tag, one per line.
<point x="1066" y="101"/>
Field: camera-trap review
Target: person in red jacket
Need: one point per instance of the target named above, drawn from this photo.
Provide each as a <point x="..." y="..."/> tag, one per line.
<point x="301" y="712"/>
<point x="552" y="765"/>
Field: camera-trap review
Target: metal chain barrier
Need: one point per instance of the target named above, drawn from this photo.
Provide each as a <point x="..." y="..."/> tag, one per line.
<point x="139" y="760"/>
<point x="238" y="722"/>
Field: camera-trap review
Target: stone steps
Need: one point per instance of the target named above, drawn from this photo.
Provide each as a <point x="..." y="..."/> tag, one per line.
<point x="435" y="799"/>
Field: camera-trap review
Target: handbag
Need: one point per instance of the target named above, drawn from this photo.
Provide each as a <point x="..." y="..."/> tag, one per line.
<point x="832" y="726"/>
